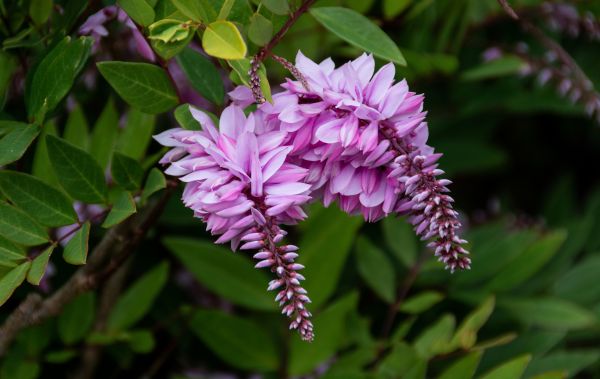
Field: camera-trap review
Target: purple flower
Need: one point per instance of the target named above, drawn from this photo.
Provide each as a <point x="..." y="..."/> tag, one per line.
<point x="239" y="182"/>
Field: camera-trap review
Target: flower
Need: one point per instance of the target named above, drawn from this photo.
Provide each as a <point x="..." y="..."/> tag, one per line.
<point x="239" y="182"/>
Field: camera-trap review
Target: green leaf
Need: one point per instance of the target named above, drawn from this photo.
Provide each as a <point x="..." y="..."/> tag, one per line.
<point x="529" y="262"/>
<point x="142" y="85"/>
<point x="197" y="10"/>
<point x="400" y="239"/>
<point x="359" y="31"/>
<point x="77" y="131"/>
<point x="19" y="227"/>
<point x="392" y="8"/>
<point x="569" y="362"/>
<point x="8" y="65"/>
<point x="15" y="143"/>
<point x="240" y="76"/>
<point x="104" y="134"/>
<point x="463" y="368"/>
<point x="136" y="135"/>
<point x="202" y="74"/>
<point x="138" y="298"/>
<point x="55" y="74"/>
<point x="333" y="231"/>
<point x="550" y="313"/>
<point x="222" y="39"/>
<point x="400" y="359"/>
<point x="330" y="329"/>
<point x="238" y="341"/>
<point x="76" y="250"/>
<point x="10" y="252"/>
<point x="508" y="65"/>
<point x="260" y="29"/>
<point x="279" y="7"/>
<point x="40" y="10"/>
<point x="168" y="37"/>
<point x="78" y="173"/>
<point x="126" y="172"/>
<point x="185" y="119"/>
<point x="436" y="338"/>
<point x="155" y="182"/>
<point x="139" y="10"/>
<point x="42" y="168"/>
<point x="141" y="341"/>
<point x="44" y="203"/>
<point x="12" y="280"/>
<point x="60" y="356"/>
<point x="38" y="266"/>
<point x="376" y="269"/>
<point x="466" y="335"/>
<point x="421" y="302"/>
<point x="123" y="206"/>
<point x="76" y="320"/>
<point x="229" y="275"/>
<point x="513" y="369"/>
<point x="579" y="283"/>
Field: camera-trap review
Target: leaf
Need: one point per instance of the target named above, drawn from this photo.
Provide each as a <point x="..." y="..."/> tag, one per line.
<point x="46" y="204"/>
<point x="569" y="362"/>
<point x="436" y="338"/>
<point x="400" y="238"/>
<point x="330" y="328"/>
<point x="513" y="369"/>
<point x="550" y="313"/>
<point x="143" y="85"/>
<point x="17" y="226"/>
<point x="138" y="298"/>
<point x="508" y="65"/>
<point x="202" y="74"/>
<point x="528" y="262"/>
<point x="421" y="302"/>
<point x="15" y="143"/>
<point x="279" y="7"/>
<point x="169" y="37"/>
<point x="55" y="74"/>
<point x="141" y="341"/>
<point x="240" y="76"/>
<point x="155" y="182"/>
<point x="579" y="283"/>
<point x="392" y="8"/>
<point x="139" y="10"/>
<point x="359" y="31"/>
<point x="197" y="10"/>
<point x="76" y="131"/>
<point x="463" y="368"/>
<point x="238" y="341"/>
<point x="42" y="168"/>
<point x="104" y="134"/>
<point x="137" y="134"/>
<point x="78" y="173"/>
<point x="12" y="280"/>
<point x="376" y="269"/>
<point x="126" y="172"/>
<point x="185" y="119"/>
<point x="332" y="231"/>
<point x="123" y="206"/>
<point x="400" y="359"/>
<point x="76" y="320"/>
<point x="466" y="335"/>
<point x="40" y="10"/>
<point x="38" y="266"/>
<point x="76" y="250"/>
<point x="10" y="252"/>
<point x="229" y="275"/>
<point x="222" y="39"/>
<point x="260" y="29"/>
<point x="8" y="65"/>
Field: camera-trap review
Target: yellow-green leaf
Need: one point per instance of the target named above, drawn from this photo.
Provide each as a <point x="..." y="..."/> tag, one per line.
<point x="222" y="39"/>
<point x="38" y="266"/>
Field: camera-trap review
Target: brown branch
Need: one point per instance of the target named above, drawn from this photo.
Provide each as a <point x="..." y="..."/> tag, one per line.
<point x="114" y="248"/>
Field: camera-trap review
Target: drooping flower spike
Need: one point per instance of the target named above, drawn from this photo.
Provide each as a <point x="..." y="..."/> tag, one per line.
<point x="238" y="181"/>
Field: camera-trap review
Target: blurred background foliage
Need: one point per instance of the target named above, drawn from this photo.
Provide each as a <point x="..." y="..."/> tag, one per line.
<point x="521" y="158"/>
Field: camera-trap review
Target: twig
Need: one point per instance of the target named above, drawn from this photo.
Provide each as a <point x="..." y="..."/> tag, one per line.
<point x="116" y="246"/>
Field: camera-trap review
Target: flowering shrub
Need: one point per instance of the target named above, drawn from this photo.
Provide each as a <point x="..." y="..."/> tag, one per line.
<point x="307" y="136"/>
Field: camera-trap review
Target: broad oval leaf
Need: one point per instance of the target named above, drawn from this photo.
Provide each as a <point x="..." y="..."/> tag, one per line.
<point x="122" y="207"/>
<point x="548" y="312"/>
<point x="222" y="39"/>
<point x="436" y="339"/>
<point x="138" y="298"/>
<point x="464" y="368"/>
<point x="139" y="10"/>
<point x="376" y="269"/>
<point x="76" y="250"/>
<point x="511" y="369"/>
<point x="197" y="10"/>
<point x="260" y="29"/>
<point x="229" y="275"/>
<point x="10" y="253"/>
<point x="14" y="144"/>
<point x="137" y="134"/>
<point x="202" y="74"/>
<point x="279" y="7"/>
<point x="78" y="173"/>
<point x="466" y="335"/>
<point x="421" y="302"/>
<point x="76" y="320"/>
<point x="12" y="280"/>
<point x="580" y="283"/>
<point x="143" y="85"/>
<point x="38" y="266"/>
<point x="155" y="182"/>
<point x="127" y="172"/>
<point x="17" y="226"/>
<point x="44" y="203"/>
<point x="236" y="340"/>
<point x="358" y="30"/>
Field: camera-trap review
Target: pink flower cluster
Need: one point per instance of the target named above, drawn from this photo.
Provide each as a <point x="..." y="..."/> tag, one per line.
<point x="346" y="135"/>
